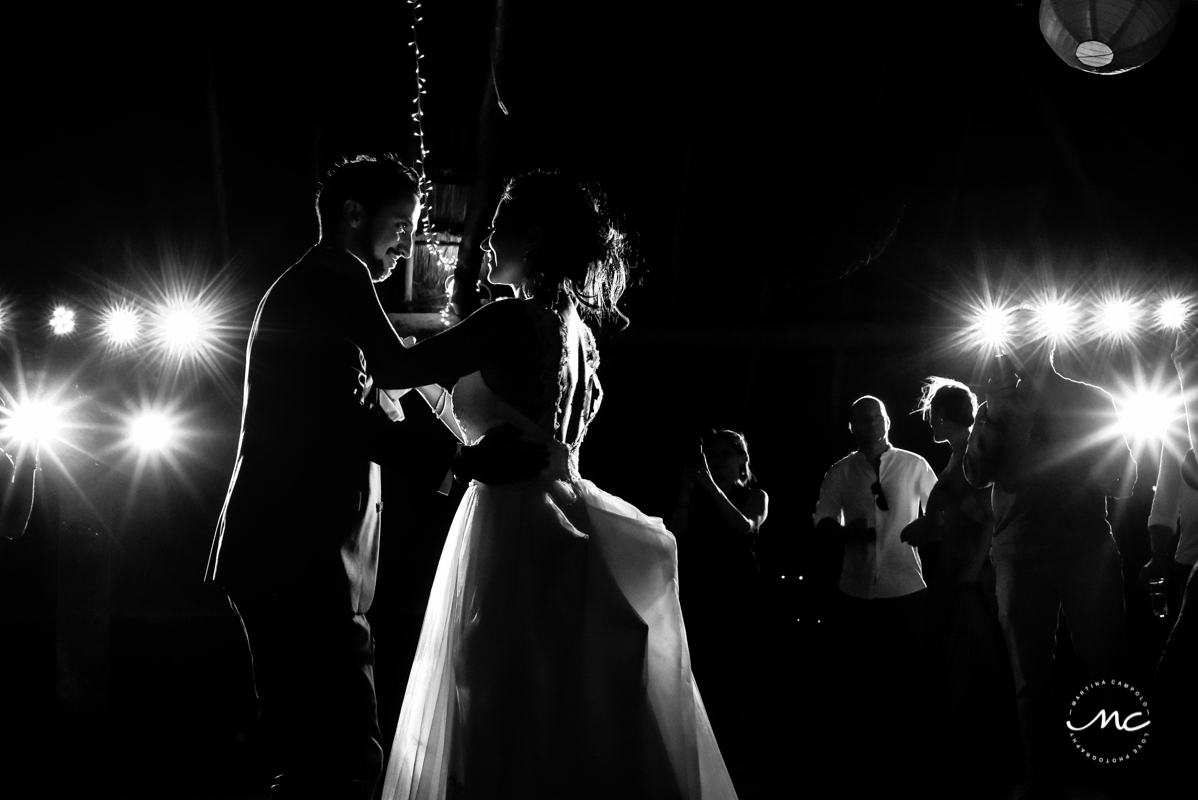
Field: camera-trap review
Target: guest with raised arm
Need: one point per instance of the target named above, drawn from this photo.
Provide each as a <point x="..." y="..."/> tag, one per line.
<point x="716" y="520"/>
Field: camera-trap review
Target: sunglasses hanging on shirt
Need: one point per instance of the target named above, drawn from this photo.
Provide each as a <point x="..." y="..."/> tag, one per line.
<point x="879" y="496"/>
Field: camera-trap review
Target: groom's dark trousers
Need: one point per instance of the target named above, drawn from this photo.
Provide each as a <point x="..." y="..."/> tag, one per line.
<point x="314" y="677"/>
<point x="297" y="544"/>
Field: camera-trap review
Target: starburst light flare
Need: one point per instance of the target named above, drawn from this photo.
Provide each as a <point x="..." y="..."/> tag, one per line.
<point x="1145" y="414"/>
<point x="121" y="325"/>
<point x="1172" y="313"/>
<point x="62" y="320"/>
<point x="1057" y="321"/>
<point x="184" y="327"/>
<point x="990" y="328"/>
<point x="32" y="422"/>
<point x="1117" y="319"/>
<point x="153" y="432"/>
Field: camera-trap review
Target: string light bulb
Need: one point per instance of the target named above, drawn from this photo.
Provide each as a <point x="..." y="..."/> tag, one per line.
<point x="990" y="328"/>
<point x="1145" y="414"/>
<point x="184" y="327"/>
<point x="33" y="421"/>
<point x="1172" y="313"/>
<point x="121" y="325"/>
<point x="62" y="320"/>
<point x="1056" y="320"/>
<point x="1117" y="318"/>
<point x="152" y="431"/>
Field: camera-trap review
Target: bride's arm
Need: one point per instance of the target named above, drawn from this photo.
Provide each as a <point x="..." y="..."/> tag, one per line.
<point x="471" y="345"/>
<point x="440" y="401"/>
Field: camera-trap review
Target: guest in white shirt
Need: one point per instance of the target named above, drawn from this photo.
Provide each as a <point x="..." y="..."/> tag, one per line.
<point x="1175" y="504"/>
<point x="866" y="499"/>
<point x="878" y="653"/>
<point x="1174" y="511"/>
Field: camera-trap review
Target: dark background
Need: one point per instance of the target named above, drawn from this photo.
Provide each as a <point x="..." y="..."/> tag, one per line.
<point x="817" y="193"/>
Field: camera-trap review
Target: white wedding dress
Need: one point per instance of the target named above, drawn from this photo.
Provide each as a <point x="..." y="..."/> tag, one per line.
<point x="552" y="660"/>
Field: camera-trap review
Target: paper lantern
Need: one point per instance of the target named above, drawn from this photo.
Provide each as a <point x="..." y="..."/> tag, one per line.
<point x="1107" y="36"/>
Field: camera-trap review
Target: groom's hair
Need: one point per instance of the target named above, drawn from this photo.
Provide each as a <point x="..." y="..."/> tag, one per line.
<point x="369" y="180"/>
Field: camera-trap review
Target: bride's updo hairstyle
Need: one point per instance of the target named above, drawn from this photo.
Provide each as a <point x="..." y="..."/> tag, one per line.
<point x="951" y="398"/>
<point x="581" y="251"/>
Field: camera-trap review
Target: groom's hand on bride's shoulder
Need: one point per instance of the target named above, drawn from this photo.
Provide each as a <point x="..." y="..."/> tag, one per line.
<point x="502" y="456"/>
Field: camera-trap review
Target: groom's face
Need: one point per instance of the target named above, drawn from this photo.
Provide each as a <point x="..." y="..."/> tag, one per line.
<point x="390" y="234"/>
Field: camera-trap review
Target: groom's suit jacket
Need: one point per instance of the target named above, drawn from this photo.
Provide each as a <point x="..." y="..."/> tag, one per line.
<point x="302" y="517"/>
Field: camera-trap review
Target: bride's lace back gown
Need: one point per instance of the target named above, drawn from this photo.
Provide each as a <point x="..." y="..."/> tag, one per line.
<point x="552" y="660"/>
<point x="569" y="391"/>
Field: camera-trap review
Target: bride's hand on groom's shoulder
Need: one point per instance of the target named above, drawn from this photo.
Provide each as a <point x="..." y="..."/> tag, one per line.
<point x="501" y="456"/>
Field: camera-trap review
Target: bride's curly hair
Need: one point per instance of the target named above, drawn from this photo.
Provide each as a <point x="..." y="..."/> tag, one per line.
<point x="582" y="252"/>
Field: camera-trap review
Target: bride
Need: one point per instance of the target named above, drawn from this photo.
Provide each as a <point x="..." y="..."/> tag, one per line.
<point x="552" y="660"/>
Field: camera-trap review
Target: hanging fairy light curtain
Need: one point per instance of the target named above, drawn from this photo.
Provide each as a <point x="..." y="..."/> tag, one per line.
<point x="1107" y="36"/>
<point x="441" y="245"/>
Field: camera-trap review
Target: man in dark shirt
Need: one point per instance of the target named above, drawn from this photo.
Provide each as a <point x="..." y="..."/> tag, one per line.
<point x="1052" y="449"/>
<point x="297" y="544"/>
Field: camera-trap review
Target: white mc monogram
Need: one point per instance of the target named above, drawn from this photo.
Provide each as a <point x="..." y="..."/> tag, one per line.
<point x="1106" y="719"/>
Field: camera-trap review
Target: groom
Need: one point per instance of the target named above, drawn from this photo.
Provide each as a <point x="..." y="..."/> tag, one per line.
<point x="297" y="543"/>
